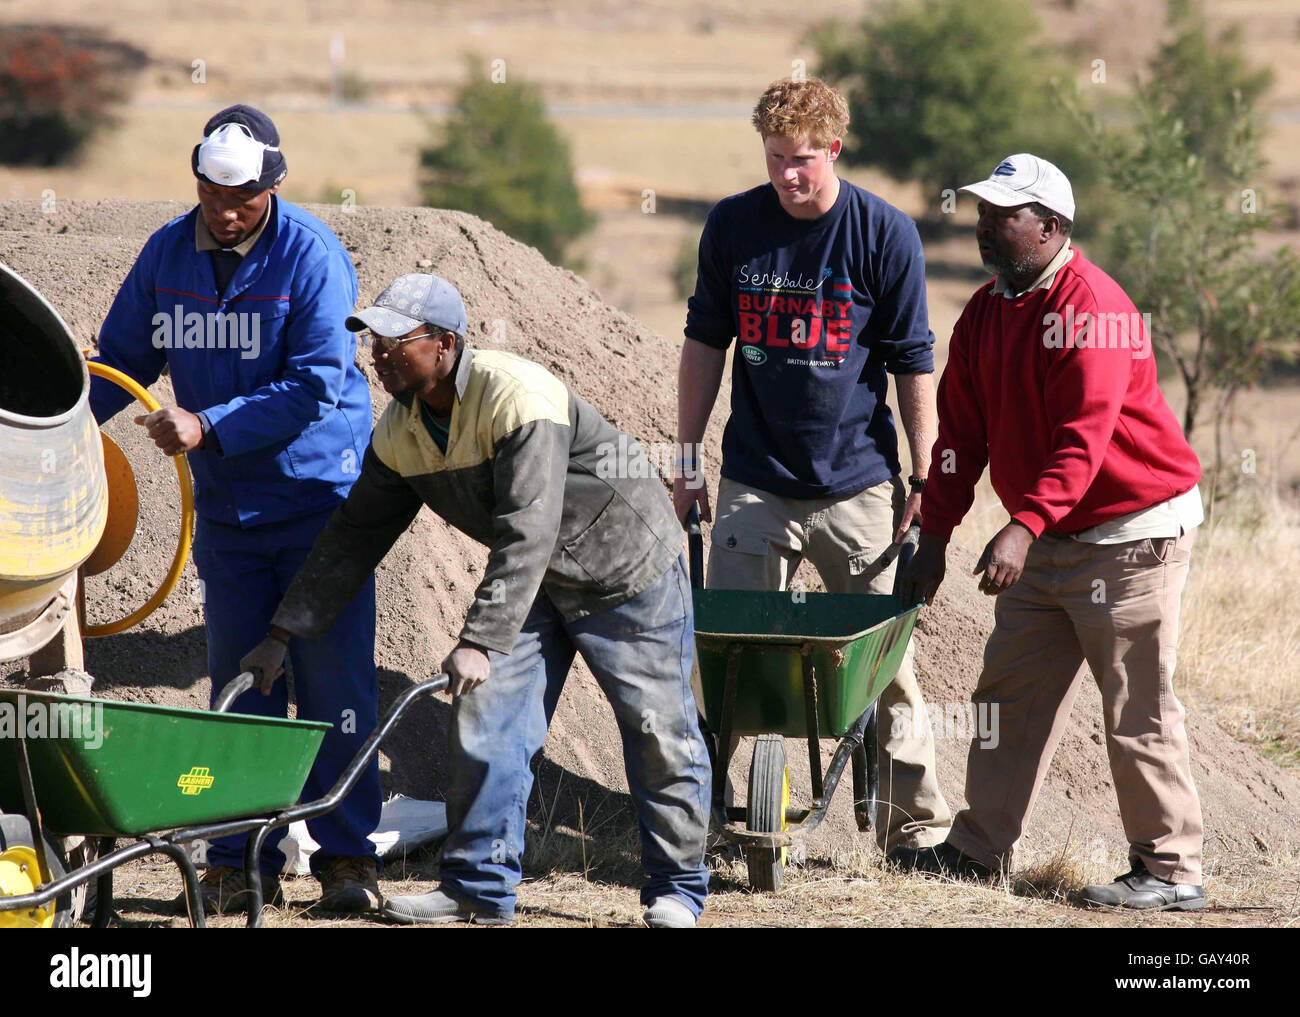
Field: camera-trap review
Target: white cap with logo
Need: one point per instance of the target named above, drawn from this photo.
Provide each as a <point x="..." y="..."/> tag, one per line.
<point x="1023" y="179"/>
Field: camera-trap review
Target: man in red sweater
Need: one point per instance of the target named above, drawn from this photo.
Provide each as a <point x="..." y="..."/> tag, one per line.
<point x="1051" y="384"/>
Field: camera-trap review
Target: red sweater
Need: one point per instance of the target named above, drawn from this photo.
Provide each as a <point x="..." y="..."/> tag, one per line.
<point x="1056" y="391"/>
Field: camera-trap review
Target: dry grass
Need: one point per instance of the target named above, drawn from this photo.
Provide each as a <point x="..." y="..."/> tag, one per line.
<point x="1239" y="653"/>
<point x="1058" y="880"/>
<point x="855" y="890"/>
<point x="1239" y="648"/>
<point x="848" y="889"/>
<point x="588" y="877"/>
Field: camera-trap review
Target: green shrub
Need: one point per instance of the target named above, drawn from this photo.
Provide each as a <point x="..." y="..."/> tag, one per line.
<point x="499" y="157"/>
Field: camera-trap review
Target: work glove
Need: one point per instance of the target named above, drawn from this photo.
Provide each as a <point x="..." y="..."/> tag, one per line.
<point x="924" y="574"/>
<point x="266" y="662"/>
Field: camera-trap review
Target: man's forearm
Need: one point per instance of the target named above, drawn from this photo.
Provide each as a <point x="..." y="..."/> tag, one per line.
<point x="699" y="375"/>
<point x="916" y="405"/>
<point x="378" y="509"/>
<point x="342" y="558"/>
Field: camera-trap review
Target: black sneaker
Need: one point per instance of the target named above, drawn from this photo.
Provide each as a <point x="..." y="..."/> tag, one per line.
<point x="1138" y="890"/>
<point x="941" y="860"/>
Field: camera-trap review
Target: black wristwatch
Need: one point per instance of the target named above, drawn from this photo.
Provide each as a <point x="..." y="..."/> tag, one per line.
<point x="916" y="484"/>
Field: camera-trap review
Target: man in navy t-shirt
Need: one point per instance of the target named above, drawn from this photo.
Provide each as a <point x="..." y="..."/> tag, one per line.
<point x="823" y="284"/>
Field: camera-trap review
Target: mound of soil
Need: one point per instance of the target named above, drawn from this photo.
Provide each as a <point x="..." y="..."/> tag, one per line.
<point x="517" y="301"/>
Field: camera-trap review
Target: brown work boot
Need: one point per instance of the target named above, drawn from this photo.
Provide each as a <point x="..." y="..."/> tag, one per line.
<point x="224" y="891"/>
<point x="350" y="884"/>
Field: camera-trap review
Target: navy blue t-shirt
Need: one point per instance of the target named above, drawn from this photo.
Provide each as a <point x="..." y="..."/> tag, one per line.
<point x="822" y="307"/>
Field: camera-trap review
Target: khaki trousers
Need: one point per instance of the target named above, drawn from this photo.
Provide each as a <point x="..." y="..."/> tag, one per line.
<point x="759" y="540"/>
<point x="1114" y="606"/>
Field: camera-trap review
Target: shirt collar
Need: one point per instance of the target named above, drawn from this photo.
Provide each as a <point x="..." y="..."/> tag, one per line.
<point x="1044" y="280"/>
<point x="204" y="240"/>
<point x="408" y="399"/>
<point x="462" y="371"/>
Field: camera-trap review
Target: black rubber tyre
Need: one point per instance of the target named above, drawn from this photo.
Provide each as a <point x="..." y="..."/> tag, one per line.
<point x="85" y="898"/>
<point x="769" y="796"/>
<point x="65" y="914"/>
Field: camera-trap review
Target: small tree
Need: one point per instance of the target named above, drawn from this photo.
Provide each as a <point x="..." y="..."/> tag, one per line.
<point x="1185" y="171"/>
<point x="56" y="87"/>
<point x="942" y="90"/>
<point x="499" y="157"/>
<point x="1208" y="85"/>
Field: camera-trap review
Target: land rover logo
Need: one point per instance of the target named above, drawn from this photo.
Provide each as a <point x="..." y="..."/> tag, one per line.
<point x="753" y="354"/>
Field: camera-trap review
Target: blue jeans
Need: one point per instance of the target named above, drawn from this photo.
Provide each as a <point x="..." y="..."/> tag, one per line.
<point x="245" y="572"/>
<point x="640" y="653"/>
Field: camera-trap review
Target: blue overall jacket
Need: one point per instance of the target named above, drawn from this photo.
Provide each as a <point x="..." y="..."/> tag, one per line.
<point x="268" y="363"/>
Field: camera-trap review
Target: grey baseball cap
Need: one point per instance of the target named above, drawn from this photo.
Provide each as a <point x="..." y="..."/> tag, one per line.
<point x="412" y="301"/>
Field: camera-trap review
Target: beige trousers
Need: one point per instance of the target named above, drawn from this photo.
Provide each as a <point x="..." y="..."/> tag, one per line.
<point x="759" y="540"/>
<point x="1114" y="606"/>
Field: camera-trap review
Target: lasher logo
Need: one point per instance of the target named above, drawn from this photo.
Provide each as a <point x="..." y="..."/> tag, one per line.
<point x="198" y="779"/>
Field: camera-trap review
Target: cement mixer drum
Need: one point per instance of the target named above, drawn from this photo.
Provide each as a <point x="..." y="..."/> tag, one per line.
<point x="53" y="491"/>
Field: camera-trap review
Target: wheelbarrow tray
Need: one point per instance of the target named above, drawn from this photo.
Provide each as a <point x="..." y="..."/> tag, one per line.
<point x="856" y="643"/>
<point x="126" y="769"/>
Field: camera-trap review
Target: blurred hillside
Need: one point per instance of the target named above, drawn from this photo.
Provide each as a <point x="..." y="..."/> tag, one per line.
<point x="652" y="97"/>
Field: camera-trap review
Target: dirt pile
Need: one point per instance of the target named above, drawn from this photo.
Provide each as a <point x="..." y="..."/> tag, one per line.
<point x="78" y="257"/>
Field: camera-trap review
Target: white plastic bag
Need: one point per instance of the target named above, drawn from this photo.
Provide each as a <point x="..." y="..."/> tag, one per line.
<point x="404" y="825"/>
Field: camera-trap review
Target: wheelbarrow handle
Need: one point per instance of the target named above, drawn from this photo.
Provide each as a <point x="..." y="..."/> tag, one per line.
<point x="904" y="552"/>
<point x="695" y="546"/>
<point x="235" y="688"/>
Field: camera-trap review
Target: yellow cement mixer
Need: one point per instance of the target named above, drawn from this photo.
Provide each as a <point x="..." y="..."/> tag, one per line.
<point x="53" y="488"/>
<point x="68" y="508"/>
<point x="68" y="500"/>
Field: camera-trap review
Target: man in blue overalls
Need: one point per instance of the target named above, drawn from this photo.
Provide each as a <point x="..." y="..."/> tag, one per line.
<point x="244" y="299"/>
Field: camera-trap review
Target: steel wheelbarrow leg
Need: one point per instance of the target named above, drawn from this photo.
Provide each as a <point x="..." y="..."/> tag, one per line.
<point x="866" y="775"/>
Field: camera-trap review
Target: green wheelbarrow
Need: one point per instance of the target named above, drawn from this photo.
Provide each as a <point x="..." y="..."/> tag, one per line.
<point x="798" y="665"/>
<point x="78" y="773"/>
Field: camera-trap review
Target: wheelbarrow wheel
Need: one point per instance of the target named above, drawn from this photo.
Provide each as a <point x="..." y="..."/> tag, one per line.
<point x="769" y="798"/>
<point x="85" y="898"/>
<point x="19" y="874"/>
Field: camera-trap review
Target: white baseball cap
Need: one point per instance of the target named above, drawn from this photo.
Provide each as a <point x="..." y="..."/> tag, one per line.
<point x="1023" y="179"/>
